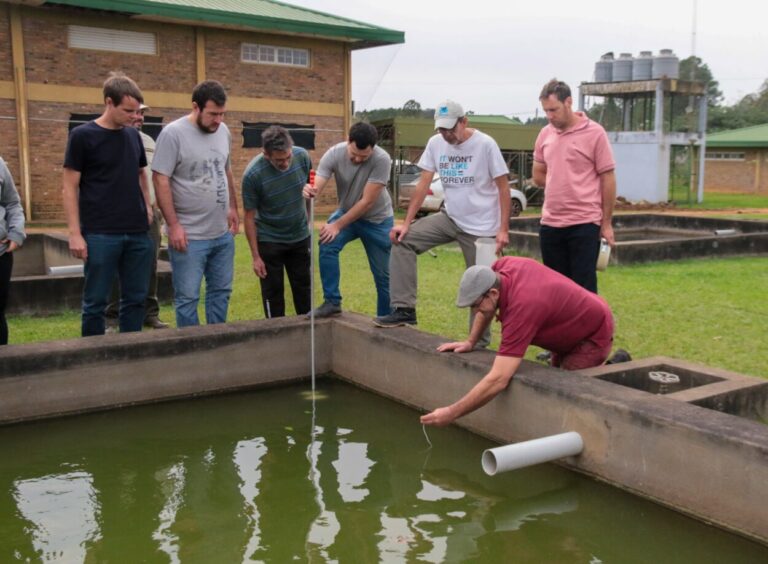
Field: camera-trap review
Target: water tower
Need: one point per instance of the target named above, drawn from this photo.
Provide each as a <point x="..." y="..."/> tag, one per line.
<point x="656" y="123"/>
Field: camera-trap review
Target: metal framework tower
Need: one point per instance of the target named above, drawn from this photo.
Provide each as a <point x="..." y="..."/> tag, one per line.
<point x="656" y="127"/>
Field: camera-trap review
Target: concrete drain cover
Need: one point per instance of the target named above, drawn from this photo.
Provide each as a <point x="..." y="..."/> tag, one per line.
<point x="664" y="377"/>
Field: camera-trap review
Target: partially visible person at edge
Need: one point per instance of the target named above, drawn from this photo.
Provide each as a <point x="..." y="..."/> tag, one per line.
<point x="477" y="204"/>
<point x="108" y="210"/>
<point x="535" y="305"/>
<point x="12" y="237"/>
<point x="152" y="304"/>
<point x="573" y="162"/>
<point x="276" y="223"/>
<point x="361" y="170"/>
<point x="195" y="189"/>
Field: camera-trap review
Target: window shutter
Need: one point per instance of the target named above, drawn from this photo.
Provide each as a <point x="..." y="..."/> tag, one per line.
<point x="103" y="39"/>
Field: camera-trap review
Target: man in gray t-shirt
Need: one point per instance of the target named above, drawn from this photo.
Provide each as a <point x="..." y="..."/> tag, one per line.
<point x="361" y="170"/>
<point x="196" y="192"/>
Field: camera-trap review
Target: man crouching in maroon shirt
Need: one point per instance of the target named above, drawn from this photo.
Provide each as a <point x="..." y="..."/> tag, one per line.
<point x="536" y="305"/>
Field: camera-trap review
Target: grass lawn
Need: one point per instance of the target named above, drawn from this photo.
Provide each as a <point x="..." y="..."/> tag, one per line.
<point x="726" y="201"/>
<point x="707" y="311"/>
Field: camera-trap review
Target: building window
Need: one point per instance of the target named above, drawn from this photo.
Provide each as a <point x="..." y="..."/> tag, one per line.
<point x="272" y="55"/>
<point x="153" y="125"/>
<point x="118" y="40"/>
<point x="303" y="135"/>
<point x="725" y="155"/>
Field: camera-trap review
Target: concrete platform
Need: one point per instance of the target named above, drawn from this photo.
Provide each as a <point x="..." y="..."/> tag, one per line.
<point x="700" y="461"/>
<point x="35" y="292"/>
<point x="658" y="237"/>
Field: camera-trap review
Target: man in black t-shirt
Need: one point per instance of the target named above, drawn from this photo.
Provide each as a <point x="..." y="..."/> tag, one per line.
<point x="107" y="205"/>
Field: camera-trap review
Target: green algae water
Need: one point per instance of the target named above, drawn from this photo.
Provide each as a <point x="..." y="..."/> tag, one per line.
<point x="242" y="478"/>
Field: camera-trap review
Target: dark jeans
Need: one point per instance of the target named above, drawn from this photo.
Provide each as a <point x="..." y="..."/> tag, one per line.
<point x="281" y="258"/>
<point x="572" y="251"/>
<point x="127" y="255"/>
<point x="152" y="304"/>
<point x="6" y="266"/>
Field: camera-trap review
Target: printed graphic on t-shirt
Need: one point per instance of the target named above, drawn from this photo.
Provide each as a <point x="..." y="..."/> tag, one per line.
<point x="212" y="176"/>
<point x="454" y="169"/>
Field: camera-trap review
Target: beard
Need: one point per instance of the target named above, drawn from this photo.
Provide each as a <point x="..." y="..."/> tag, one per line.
<point x="206" y="129"/>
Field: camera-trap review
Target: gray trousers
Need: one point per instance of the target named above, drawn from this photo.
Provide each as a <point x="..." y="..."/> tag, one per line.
<point x="424" y="234"/>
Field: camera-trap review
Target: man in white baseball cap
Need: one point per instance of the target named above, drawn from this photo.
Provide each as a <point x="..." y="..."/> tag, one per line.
<point x="535" y="305"/>
<point x="474" y="176"/>
<point x="447" y="114"/>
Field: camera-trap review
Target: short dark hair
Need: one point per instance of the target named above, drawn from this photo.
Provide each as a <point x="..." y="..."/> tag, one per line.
<point x="556" y="87"/>
<point x="276" y="138"/>
<point x="209" y="90"/>
<point x="118" y="86"/>
<point x="363" y="135"/>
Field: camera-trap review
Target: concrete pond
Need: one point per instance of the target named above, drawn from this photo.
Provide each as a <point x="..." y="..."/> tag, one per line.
<point x="649" y="237"/>
<point x="36" y="288"/>
<point x="688" y="437"/>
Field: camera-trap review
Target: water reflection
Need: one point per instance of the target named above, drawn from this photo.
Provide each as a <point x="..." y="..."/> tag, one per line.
<point x="253" y="477"/>
<point x="324" y="527"/>
<point x="62" y="513"/>
<point x="352" y="469"/>
<point x="171" y="481"/>
<point x="248" y="455"/>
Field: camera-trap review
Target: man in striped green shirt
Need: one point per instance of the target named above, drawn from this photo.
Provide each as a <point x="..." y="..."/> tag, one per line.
<point x="276" y="223"/>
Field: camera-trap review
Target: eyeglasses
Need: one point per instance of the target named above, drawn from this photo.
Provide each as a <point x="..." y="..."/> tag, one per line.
<point x="479" y="301"/>
<point x="445" y="131"/>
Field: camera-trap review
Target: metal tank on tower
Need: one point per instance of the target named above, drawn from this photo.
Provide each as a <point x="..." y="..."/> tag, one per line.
<point x="656" y="122"/>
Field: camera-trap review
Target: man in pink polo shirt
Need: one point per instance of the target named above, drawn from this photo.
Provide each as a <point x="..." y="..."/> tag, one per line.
<point x="573" y="161"/>
<point x="536" y="305"/>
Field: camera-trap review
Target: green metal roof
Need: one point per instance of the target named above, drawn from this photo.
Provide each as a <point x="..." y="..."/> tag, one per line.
<point x="415" y="132"/>
<point x="754" y="136"/>
<point x="261" y="15"/>
<point x="493" y="119"/>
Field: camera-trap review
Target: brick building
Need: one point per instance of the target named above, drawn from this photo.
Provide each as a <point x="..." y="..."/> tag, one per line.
<point x="279" y="63"/>
<point x="737" y="160"/>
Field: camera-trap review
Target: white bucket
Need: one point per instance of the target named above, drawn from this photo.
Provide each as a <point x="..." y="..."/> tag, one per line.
<point x="485" y="251"/>
<point x="604" y="256"/>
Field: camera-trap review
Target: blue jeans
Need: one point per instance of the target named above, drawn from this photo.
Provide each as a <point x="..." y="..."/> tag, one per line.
<point x="129" y="255"/>
<point x="375" y="238"/>
<point x="214" y="259"/>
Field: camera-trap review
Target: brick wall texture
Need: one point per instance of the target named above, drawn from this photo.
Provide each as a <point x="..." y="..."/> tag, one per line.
<point x="49" y="60"/>
<point x="747" y="176"/>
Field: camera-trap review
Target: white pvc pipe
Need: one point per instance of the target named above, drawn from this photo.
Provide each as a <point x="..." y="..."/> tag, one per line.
<point x="66" y="269"/>
<point x="528" y="453"/>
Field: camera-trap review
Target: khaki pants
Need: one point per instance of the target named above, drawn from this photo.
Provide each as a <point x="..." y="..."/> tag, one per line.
<point x="424" y="234"/>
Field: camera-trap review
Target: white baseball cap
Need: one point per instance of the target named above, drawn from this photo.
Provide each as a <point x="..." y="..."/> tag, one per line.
<point x="447" y="114"/>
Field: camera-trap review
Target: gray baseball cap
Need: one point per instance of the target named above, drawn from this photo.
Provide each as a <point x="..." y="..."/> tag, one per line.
<point x="475" y="282"/>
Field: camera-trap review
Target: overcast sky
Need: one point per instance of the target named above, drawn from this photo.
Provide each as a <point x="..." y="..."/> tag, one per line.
<point x="493" y="56"/>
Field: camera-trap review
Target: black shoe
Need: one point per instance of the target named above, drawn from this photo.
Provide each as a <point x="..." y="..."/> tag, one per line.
<point x="619" y="356"/>
<point x="544" y="356"/>
<point x="401" y="316"/>
<point x="326" y="310"/>
<point x="155" y="323"/>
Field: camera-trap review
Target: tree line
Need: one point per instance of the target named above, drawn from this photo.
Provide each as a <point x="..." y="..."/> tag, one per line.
<point x="752" y="109"/>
